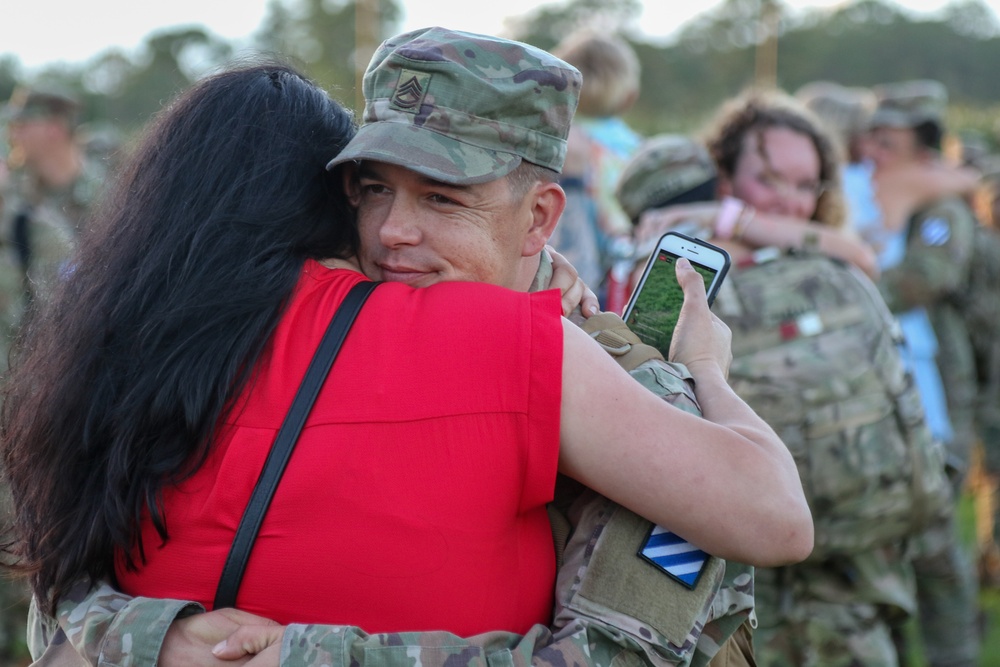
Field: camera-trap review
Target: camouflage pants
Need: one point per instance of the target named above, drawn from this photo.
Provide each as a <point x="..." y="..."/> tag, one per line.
<point x="947" y="593"/>
<point x="989" y="437"/>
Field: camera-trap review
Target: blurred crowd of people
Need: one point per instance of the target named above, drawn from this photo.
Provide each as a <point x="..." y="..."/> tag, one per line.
<point x="863" y="299"/>
<point x="862" y="177"/>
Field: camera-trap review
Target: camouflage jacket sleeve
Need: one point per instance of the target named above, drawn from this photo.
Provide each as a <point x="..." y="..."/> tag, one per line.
<point x="102" y="627"/>
<point x="936" y="264"/>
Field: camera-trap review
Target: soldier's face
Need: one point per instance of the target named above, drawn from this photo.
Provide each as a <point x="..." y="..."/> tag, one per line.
<point x="778" y="171"/>
<point x="33" y="138"/>
<point x="893" y="146"/>
<point x="420" y="231"/>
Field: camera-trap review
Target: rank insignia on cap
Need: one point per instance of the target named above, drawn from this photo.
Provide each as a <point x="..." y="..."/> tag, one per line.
<point x="410" y="91"/>
<point x="935" y="231"/>
<point x="674" y="555"/>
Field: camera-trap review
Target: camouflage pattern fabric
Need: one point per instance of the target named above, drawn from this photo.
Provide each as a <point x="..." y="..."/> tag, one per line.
<point x="981" y="310"/>
<point x="815" y="355"/>
<point x="105" y="628"/>
<point x="464" y="108"/>
<point x="664" y="167"/>
<point x="935" y="273"/>
<point x="839" y="612"/>
<point x="38" y="228"/>
<point x="946" y="596"/>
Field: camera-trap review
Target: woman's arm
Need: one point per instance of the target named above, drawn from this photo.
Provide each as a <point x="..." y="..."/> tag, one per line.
<point x="767" y="229"/>
<point x="726" y="483"/>
<point x="903" y="190"/>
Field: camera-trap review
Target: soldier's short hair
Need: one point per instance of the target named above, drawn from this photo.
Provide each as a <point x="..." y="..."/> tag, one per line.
<point x="610" y="70"/>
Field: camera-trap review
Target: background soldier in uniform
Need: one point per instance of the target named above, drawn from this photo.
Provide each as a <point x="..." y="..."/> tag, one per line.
<point x="933" y="273"/>
<point x="44" y="197"/>
<point x="51" y="187"/>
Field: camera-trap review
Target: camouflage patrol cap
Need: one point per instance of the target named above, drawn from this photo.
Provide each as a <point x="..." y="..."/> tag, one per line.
<point x="28" y="103"/>
<point x="464" y="108"/>
<point x="910" y="103"/>
<point x="664" y="167"/>
<point x="843" y="110"/>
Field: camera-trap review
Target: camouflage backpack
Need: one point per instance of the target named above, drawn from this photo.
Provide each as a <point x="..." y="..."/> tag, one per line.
<point x="815" y="354"/>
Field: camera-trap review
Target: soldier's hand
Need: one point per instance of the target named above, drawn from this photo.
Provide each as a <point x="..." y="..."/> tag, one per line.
<point x="190" y="641"/>
<point x="700" y="336"/>
<point x="261" y="642"/>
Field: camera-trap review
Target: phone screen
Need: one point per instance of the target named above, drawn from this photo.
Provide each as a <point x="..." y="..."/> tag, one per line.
<point x="657" y="306"/>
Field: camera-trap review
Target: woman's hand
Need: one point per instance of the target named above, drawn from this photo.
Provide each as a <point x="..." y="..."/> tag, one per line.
<point x="189" y="641"/>
<point x="574" y="291"/>
<point x="260" y="642"/>
<point x="700" y="337"/>
<point x="656" y="222"/>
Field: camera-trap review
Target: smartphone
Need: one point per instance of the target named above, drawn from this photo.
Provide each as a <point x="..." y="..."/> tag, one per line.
<point x="655" y="304"/>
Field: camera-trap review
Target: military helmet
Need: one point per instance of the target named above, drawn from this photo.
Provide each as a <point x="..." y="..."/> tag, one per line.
<point x="464" y="108"/>
<point x="663" y="168"/>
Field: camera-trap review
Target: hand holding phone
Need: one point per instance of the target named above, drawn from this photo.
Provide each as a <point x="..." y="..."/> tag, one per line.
<point x="700" y="336"/>
<point x="655" y="306"/>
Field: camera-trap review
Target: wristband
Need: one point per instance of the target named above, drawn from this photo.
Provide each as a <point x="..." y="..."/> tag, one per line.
<point x="747" y="216"/>
<point x="725" y="222"/>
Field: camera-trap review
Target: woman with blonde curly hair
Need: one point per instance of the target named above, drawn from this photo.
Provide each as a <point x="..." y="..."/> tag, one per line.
<point x="772" y="152"/>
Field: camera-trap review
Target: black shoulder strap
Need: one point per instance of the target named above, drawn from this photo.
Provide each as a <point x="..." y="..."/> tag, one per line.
<point x="281" y="450"/>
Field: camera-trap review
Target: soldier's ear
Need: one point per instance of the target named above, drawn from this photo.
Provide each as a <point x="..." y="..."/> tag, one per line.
<point x="546" y="201"/>
<point x="352" y="188"/>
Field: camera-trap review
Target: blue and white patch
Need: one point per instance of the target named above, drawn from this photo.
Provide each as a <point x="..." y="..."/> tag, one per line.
<point x="935" y="231"/>
<point x="674" y="555"/>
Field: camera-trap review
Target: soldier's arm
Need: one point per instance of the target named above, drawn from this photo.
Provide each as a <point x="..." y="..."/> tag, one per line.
<point x="936" y="262"/>
<point x="105" y="628"/>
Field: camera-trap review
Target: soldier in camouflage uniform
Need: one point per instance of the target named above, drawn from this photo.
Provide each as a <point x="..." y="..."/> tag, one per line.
<point x="50" y="189"/>
<point x="983" y="318"/>
<point x="834" y="609"/>
<point x="600" y="619"/>
<point x="46" y="192"/>
<point x="933" y="273"/>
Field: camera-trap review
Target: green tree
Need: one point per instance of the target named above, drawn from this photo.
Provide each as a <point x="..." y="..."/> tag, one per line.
<point x="546" y="26"/>
<point x="320" y="36"/>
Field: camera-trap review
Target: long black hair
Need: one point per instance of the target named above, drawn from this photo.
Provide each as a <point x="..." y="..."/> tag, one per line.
<point x="119" y="379"/>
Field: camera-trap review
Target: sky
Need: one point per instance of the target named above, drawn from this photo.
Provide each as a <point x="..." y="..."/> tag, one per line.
<point x="44" y="32"/>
